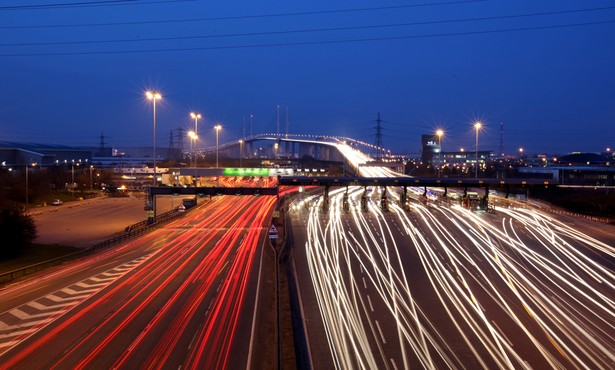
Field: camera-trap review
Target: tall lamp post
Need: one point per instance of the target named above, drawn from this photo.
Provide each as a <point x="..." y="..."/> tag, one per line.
<point x="477" y="126"/>
<point x="196" y="117"/>
<point x="240" y="152"/>
<point x="193" y="137"/>
<point x="217" y="127"/>
<point x="439" y="133"/>
<point x="154" y="96"/>
<point x="72" y="178"/>
<point x="27" y="186"/>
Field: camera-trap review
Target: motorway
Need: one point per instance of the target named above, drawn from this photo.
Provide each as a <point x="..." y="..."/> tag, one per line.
<point x="438" y="286"/>
<point x="182" y="296"/>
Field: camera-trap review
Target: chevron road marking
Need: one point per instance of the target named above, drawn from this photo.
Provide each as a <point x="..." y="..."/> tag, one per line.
<point x="20" y="322"/>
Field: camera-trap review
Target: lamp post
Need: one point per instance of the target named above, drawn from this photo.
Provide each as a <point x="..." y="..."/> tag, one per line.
<point x="27" y="187"/>
<point x="196" y="117"/>
<point x="91" y="179"/>
<point x="477" y="126"/>
<point x="217" y="127"/>
<point x="520" y="154"/>
<point x="72" y="178"/>
<point x="154" y="96"/>
<point x="240" y="152"/>
<point x="439" y="133"/>
<point x="193" y="137"/>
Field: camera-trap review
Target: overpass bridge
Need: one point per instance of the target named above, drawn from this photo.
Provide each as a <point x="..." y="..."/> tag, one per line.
<point x="327" y="182"/>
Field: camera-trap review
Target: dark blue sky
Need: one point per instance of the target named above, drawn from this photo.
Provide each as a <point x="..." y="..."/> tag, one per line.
<point x="72" y="72"/>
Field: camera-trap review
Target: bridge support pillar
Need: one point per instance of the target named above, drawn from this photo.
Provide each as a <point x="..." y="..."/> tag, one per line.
<point x="364" y="200"/>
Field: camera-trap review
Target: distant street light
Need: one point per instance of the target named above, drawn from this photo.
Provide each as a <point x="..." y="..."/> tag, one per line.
<point x="154" y="96"/>
<point x="439" y="133"/>
<point x="477" y="126"/>
<point x="217" y="127"/>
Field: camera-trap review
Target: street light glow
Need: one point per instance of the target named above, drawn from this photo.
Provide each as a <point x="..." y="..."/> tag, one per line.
<point x="195" y="115"/>
<point x="153" y="95"/>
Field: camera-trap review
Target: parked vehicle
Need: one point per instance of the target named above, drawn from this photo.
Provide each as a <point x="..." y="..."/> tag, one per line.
<point x="56" y="202"/>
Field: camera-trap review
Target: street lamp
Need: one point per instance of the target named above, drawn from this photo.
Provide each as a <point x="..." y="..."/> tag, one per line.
<point x="193" y="137"/>
<point x="217" y="127"/>
<point x="154" y="96"/>
<point x="27" y="186"/>
<point x="196" y="117"/>
<point x="477" y="126"/>
<point x="520" y="153"/>
<point x="240" y="152"/>
<point x="91" y="180"/>
<point x="439" y="133"/>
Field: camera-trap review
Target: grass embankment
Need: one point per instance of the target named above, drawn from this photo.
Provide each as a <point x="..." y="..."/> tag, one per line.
<point x="594" y="201"/>
<point x="34" y="254"/>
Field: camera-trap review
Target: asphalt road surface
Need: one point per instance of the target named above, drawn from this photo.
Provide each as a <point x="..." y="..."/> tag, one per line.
<point x="182" y="296"/>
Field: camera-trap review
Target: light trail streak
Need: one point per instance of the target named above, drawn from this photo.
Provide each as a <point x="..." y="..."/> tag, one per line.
<point x="520" y="289"/>
<point x="145" y="305"/>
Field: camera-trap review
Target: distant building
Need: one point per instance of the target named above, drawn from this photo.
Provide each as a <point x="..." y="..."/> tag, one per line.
<point x="466" y="158"/>
<point x="18" y="154"/>
<point x="430" y="148"/>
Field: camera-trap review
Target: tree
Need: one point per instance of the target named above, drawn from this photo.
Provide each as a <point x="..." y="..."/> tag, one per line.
<point x="17" y="229"/>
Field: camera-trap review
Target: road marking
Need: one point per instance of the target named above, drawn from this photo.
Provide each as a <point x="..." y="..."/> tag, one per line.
<point x="42" y="307"/>
<point x="364" y="283"/>
<point x="393" y="363"/>
<point x="371" y="307"/>
<point x="380" y="331"/>
<point x="52" y="306"/>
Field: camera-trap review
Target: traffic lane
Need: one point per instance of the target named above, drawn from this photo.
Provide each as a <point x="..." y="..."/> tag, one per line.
<point x="120" y="312"/>
<point x="483" y="304"/>
<point x="320" y="352"/>
<point x="534" y="303"/>
<point x="413" y="325"/>
<point x="87" y="222"/>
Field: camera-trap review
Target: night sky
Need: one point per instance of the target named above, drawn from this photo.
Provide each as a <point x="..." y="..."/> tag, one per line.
<point x="73" y="69"/>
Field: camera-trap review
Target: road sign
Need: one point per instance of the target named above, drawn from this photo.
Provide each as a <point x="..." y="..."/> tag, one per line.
<point x="273" y="232"/>
<point x="276" y="214"/>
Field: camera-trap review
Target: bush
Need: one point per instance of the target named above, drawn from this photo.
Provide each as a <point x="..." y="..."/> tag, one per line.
<point x="18" y="231"/>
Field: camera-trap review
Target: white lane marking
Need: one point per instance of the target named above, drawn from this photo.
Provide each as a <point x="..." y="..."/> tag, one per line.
<point x="380" y="331"/>
<point x="394" y="364"/>
<point x="42" y="307"/>
<point x="369" y="300"/>
<point x="364" y="283"/>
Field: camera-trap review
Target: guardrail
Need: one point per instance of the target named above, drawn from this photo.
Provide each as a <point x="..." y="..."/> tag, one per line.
<point x="130" y="232"/>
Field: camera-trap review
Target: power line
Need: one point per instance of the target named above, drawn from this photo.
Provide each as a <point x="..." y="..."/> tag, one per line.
<point x="86" y="4"/>
<point x="306" y="43"/>
<point x="269" y="33"/>
<point x="256" y="16"/>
